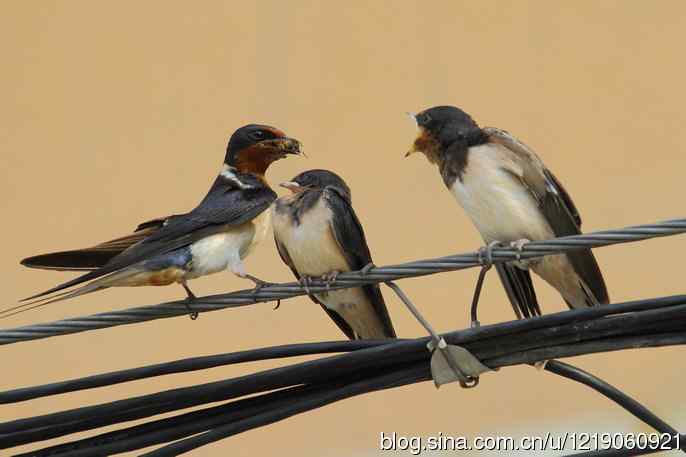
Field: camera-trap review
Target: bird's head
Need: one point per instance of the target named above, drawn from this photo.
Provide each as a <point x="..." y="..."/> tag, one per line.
<point x="254" y="147"/>
<point x="440" y="128"/>
<point x="317" y="180"/>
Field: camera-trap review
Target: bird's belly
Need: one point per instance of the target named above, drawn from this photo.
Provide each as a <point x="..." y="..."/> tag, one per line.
<point x="498" y="204"/>
<point x="311" y="244"/>
<point x="217" y="252"/>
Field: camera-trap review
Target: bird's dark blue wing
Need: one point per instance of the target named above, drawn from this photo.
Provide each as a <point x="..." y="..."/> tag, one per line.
<point x="224" y="206"/>
<point x="557" y="207"/>
<point x="564" y="219"/>
<point x="349" y="234"/>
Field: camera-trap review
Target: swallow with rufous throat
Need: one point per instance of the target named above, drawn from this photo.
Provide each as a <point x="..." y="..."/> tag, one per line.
<point x="318" y="235"/>
<point x="510" y="196"/>
<point x="215" y="236"/>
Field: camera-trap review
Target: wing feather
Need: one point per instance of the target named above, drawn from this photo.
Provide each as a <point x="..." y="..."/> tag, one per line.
<point x="93" y="257"/>
<point x="226" y="205"/>
<point x="557" y="207"/>
<point x="349" y="235"/>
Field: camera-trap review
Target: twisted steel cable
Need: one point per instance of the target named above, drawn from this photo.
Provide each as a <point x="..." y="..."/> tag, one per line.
<point x="346" y="280"/>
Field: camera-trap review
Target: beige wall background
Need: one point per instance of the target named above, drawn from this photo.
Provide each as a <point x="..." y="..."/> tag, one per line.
<point x="113" y="113"/>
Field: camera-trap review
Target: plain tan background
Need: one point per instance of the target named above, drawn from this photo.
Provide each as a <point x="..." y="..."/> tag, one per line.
<point x="115" y="113"/>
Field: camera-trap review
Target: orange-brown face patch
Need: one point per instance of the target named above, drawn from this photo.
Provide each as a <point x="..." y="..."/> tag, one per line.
<point x="256" y="159"/>
<point x="277" y="133"/>
<point x="426" y="143"/>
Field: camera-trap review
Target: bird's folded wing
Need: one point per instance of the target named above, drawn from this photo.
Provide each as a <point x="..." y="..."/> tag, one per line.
<point x="555" y="203"/>
<point x="349" y="235"/>
<point x="225" y="206"/>
<point x="96" y="256"/>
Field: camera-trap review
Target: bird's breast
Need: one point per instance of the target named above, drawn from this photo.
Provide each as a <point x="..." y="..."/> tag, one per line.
<point x="311" y="243"/>
<point x="498" y="203"/>
<point x="217" y="252"/>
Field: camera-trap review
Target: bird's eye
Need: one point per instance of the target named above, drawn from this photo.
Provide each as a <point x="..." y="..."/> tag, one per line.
<point x="424" y="119"/>
<point x="258" y="135"/>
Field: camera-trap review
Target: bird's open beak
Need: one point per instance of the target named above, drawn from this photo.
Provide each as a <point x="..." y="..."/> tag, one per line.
<point x="413" y="149"/>
<point x="292" y="186"/>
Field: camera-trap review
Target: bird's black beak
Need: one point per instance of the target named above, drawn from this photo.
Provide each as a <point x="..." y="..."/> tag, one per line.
<point x="284" y="145"/>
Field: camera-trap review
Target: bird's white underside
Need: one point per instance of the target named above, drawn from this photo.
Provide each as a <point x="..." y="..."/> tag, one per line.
<point x="498" y="204"/>
<point x="503" y="209"/>
<point x="315" y="252"/>
<point x="225" y="251"/>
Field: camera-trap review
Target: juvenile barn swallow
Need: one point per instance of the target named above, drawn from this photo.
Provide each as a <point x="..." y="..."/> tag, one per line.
<point x="510" y="196"/>
<point x="318" y="234"/>
<point x="215" y="236"/>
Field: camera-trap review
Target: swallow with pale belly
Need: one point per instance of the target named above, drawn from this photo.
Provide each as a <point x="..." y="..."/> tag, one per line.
<point x="510" y="196"/>
<point x="215" y="236"/>
<point x="318" y="235"/>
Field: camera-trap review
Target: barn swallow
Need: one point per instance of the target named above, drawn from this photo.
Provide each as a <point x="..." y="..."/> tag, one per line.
<point x="215" y="236"/>
<point x="318" y="234"/>
<point x="510" y="196"/>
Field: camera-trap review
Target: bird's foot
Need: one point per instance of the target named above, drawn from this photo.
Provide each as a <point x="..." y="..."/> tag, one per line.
<point x="519" y="247"/>
<point x="189" y="300"/>
<point x="305" y="282"/>
<point x="330" y="278"/>
<point x="192" y="314"/>
<point x="259" y="284"/>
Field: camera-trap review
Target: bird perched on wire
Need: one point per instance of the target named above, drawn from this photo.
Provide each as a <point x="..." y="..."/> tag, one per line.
<point x="318" y="235"/>
<point x="510" y="196"/>
<point x="215" y="236"/>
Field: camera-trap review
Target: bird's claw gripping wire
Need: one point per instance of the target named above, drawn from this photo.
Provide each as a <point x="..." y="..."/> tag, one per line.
<point x="305" y="282"/>
<point x="259" y="285"/>
<point x="519" y="247"/>
<point x="485" y="257"/>
<point x="330" y="278"/>
<point x="449" y="363"/>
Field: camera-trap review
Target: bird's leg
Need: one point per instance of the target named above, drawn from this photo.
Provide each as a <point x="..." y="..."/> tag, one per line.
<point x="239" y="270"/>
<point x="485" y="259"/>
<point x="449" y="363"/>
<point x="330" y="278"/>
<point x="190" y="299"/>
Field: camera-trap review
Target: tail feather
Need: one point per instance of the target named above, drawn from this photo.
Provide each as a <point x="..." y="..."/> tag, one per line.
<point x="96" y="256"/>
<point x="76" y="260"/>
<point x="22" y="308"/>
<point x="112" y="280"/>
<point x="520" y="290"/>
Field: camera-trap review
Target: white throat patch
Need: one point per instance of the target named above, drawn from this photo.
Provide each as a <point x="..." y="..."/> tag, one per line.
<point x="229" y="173"/>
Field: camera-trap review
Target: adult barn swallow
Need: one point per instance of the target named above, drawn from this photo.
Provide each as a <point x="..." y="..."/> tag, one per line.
<point x="510" y="196"/>
<point x="318" y="234"/>
<point x="215" y="236"/>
